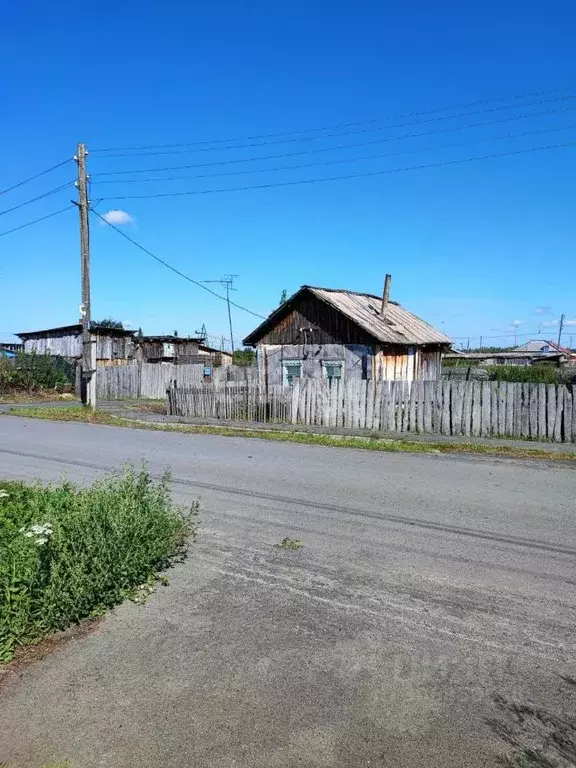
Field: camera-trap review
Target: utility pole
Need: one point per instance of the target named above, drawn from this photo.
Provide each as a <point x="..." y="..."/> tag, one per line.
<point x="481" y="338"/>
<point x="562" y="318"/>
<point x="228" y="282"/>
<point x="88" y="367"/>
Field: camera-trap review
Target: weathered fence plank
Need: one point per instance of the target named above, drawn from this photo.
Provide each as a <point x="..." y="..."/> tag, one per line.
<point x="476" y="407"/>
<point x="525" y="417"/>
<point x="493" y="407"/>
<point x="485" y="425"/>
<point x="468" y="408"/>
<point x="559" y="413"/>
<point x="551" y="411"/>
<point x="568" y="415"/>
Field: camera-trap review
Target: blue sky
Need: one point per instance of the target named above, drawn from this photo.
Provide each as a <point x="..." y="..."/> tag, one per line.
<point x="472" y="247"/>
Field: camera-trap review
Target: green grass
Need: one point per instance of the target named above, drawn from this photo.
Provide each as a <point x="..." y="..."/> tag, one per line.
<point x="288" y="543"/>
<point x="369" y="443"/>
<point x="68" y="553"/>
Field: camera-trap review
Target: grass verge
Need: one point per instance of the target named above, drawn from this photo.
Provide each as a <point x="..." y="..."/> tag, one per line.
<point x="370" y="443"/>
<point x="68" y="553"/>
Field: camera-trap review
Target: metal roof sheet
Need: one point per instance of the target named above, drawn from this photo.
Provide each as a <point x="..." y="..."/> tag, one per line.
<point x="398" y="326"/>
<point x="535" y="345"/>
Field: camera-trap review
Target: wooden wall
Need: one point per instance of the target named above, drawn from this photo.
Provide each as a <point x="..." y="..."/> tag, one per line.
<point x="362" y="361"/>
<point x="155" y="350"/>
<point x="70" y="346"/>
<point x="328" y="326"/>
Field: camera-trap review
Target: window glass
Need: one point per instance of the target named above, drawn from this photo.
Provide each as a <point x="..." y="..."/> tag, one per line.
<point x="332" y="370"/>
<point x="292" y="370"/>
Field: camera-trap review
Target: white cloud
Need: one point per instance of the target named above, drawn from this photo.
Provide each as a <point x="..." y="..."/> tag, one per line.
<point x="555" y="323"/>
<point x="543" y="311"/>
<point x="117" y="217"/>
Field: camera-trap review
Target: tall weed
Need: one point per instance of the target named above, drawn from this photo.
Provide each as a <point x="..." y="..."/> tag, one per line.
<point x="68" y="553"/>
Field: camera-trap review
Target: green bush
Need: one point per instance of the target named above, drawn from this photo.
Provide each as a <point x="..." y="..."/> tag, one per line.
<point x="68" y="553"/>
<point x="537" y="374"/>
<point x="30" y="373"/>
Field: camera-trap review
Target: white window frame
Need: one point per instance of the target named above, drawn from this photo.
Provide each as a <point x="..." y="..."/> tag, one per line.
<point x="285" y="365"/>
<point x="341" y="363"/>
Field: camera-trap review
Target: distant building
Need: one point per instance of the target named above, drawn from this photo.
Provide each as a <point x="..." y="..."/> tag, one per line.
<point x="9" y="348"/>
<point x="544" y="347"/>
<point x="167" y="349"/>
<point x="513" y="357"/>
<point x="179" y="350"/>
<point x="338" y="334"/>
<point x="113" y="345"/>
<point x="215" y="357"/>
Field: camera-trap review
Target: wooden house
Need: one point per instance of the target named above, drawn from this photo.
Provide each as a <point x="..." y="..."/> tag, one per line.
<point x="334" y="334"/>
<point x="113" y="345"/>
<point x="167" y="349"/>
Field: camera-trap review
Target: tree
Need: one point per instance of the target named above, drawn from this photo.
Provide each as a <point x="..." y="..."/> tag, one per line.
<point x="283" y="297"/>
<point x="108" y="322"/>
<point x="244" y="356"/>
<point x="139" y="333"/>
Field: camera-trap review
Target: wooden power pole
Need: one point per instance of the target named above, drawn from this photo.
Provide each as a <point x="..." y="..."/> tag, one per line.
<point x="88" y="365"/>
<point x="562" y="318"/>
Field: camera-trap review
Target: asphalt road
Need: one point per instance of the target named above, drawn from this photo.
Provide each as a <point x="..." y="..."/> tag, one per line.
<point x="429" y="620"/>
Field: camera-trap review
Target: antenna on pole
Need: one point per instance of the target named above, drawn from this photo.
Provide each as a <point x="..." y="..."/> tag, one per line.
<point x="228" y="282"/>
<point x="202" y="334"/>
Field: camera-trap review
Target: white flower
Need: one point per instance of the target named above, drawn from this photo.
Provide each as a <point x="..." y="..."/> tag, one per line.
<point x="40" y="532"/>
<point x="4" y="494"/>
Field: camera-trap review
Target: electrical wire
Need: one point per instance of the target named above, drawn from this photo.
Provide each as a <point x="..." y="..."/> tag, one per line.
<point x="34" y="199"/>
<point x="341" y="133"/>
<point x="344" y="177"/>
<point x="318" y="150"/>
<point x="340" y="160"/>
<point x="524" y="95"/>
<point x="173" y="269"/>
<point x="35" y="221"/>
<point x="36" y="176"/>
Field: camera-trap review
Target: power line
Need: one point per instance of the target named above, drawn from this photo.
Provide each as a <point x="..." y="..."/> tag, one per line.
<point x="36" y="176"/>
<point x="500" y="336"/>
<point x="35" y="221"/>
<point x="338" y="147"/>
<point x="340" y="160"/>
<point x="342" y="133"/>
<point x="336" y="127"/>
<point x="34" y="199"/>
<point x="173" y="269"/>
<point x="344" y="177"/>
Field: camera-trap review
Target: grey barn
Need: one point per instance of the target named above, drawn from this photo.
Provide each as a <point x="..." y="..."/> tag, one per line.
<point x="329" y="333"/>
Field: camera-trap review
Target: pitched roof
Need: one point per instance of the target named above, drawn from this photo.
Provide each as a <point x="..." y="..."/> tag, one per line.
<point x="535" y="345"/>
<point x="399" y="326"/>
<point x="69" y="330"/>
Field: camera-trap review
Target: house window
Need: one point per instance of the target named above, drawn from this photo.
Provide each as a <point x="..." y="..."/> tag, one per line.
<point x="545" y="348"/>
<point x="332" y="369"/>
<point x="292" y="370"/>
<point x="168" y="349"/>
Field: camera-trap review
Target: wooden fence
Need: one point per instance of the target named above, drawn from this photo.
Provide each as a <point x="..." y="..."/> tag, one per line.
<point x="151" y="380"/>
<point x="477" y="409"/>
